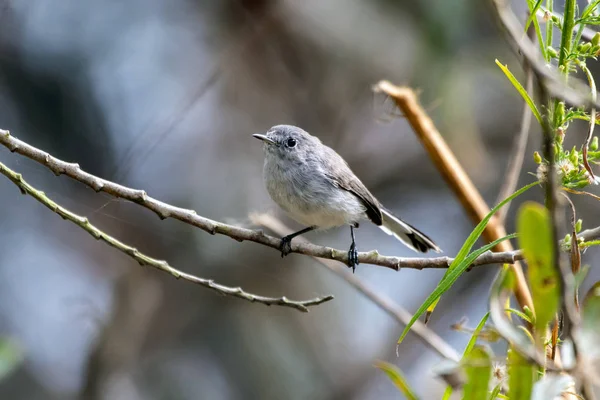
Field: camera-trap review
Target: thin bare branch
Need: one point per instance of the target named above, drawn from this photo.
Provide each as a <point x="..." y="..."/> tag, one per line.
<point x="396" y="311"/>
<point x="552" y="189"/>
<point x="164" y="210"/>
<point x="592" y="125"/>
<point x="143" y="259"/>
<point x="551" y="85"/>
<point x="581" y="192"/>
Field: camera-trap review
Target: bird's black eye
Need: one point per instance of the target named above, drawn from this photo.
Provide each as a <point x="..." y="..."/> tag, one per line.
<point x="291" y="142"/>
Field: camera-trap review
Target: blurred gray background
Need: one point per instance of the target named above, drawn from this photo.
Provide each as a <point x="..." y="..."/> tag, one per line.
<point x="164" y="95"/>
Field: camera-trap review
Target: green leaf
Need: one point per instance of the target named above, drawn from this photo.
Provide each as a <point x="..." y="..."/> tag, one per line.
<point x="447" y="393"/>
<point x="521" y="376"/>
<point x="521" y="91"/>
<point x="536" y="24"/>
<point x="466" y="247"/>
<point x="449" y="280"/>
<point x="532" y="13"/>
<point x="549" y="26"/>
<point x="535" y="238"/>
<point x="475" y="335"/>
<point x="459" y="260"/>
<point x="590" y="326"/>
<point x="494" y="393"/>
<point x="11" y="357"/>
<point x="397" y="379"/>
<point x="526" y="332"/>
<point x="520" y="314"/>
<point x="469" y="348"/>
<point x="516" y="335"/>
<point x="589" y="9"/>
<point x="478" y="368"/>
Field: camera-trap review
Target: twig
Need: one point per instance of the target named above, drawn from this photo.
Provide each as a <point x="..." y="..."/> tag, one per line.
<point x="426" y="335"/>
<point x="590" y="134"/>
<point x="520" y="145"/>
<point x="143" y="259"/>
<point x="565" y="276"/>
<point x="554" y="338"/>
<point x="549" y="84"/>
<point x="455" y="176"/>
<point x="581" y="192"/>
<point x="499" y="295"/>
<point x="164" y="210"/>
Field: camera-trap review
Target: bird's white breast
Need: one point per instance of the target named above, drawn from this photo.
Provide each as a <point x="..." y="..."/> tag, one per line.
<point x="311" y="198"/>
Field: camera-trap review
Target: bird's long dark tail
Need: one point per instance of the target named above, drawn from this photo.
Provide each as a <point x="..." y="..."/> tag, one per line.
<point x="407" y="234"/>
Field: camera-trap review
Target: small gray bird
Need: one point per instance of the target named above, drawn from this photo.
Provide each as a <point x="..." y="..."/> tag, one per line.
<point x="316" y="187"/>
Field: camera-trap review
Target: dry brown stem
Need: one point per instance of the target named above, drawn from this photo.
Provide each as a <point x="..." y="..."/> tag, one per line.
<point x="456" y="177"/>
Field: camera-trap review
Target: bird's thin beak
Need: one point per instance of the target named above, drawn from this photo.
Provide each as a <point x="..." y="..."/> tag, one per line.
<point x="264" y="138"/>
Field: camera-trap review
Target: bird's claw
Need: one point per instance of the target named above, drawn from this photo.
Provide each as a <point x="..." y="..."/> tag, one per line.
<point x="285" y="246"/>
<point x="352" y="257"/>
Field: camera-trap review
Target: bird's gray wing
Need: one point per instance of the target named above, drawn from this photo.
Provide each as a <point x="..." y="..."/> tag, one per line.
<point x="343" y="177"/>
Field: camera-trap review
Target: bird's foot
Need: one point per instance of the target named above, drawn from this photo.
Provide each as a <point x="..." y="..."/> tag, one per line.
<point x="286" y="245"/>
<point x="352" y="257"/>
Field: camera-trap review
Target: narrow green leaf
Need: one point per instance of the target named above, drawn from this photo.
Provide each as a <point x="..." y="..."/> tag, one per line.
<point x="535" y="238"/>
<point x="478" y="368"/>
<point x="447" y="393"/>
<point x="589" y="9"/>
<point x="590" y="338"/>
<point x="521" y="91"/>
<point x="476" y="233"/>
<point x="521" y="376"/>
<point x="516" y="335"/>
<point x="11" y="357"/>
<point x="549" y="25"/>
<point x="473" y="237"/>
<point x="469" y="348"/>
<point x="475" y="334"/>
<point x="397" y="379"/>
<point x="526" y="332"/>
<point x="459" y="260"/>
<point x="494" y="393"/>
<point x="536" y="25"/>
<point x="520" y="314"/>
<point x="532" y="13"/>
<point x="449" y="280"/>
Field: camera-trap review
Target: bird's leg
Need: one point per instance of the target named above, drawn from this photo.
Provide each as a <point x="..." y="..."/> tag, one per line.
<point x="286" y="241"/>
<point x="352" y="253"/>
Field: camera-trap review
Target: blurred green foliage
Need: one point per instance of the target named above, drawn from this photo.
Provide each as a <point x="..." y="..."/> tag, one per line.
<point x="530" y="374"/>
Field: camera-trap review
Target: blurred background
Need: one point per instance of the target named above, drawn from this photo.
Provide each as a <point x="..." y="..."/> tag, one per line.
<point x="164" y="95"/>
